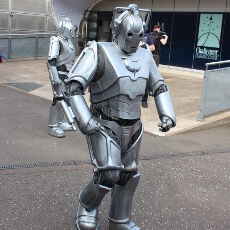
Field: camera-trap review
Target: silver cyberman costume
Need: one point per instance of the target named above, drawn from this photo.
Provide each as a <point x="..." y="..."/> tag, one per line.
<point x="117" y="74"/>
<point x="60" y="60"/>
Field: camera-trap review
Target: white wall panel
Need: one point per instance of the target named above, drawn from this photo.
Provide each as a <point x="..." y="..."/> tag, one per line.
<point x="4" y="20"/>
<point x="158" y="5"/>
<point x="163" y="5"/>
<point x="4" y="5"/>
<point x="73" y="9"/>
<point x="144" y="4"/>
<point x="186" y="5"/>
<point x="228" y="6"/>
<point x="110" y="5"/>
<point x="51" y="25"/>
<point x="28" y="22"/>
<point x="29" y="6"/>
<point x="212" y="5"/>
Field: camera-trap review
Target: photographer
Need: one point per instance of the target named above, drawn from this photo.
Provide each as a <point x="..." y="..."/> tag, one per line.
<point x="143" y="44"/>
<point x="158" y="38"/>
<point x="147" y="40"/>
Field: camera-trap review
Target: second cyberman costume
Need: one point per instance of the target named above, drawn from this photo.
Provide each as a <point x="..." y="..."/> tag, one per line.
<point x="117" y="74"/>
<point x="60" y="61"/>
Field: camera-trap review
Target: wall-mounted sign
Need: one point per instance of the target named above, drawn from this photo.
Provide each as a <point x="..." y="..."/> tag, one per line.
<point x="209" y="36"/>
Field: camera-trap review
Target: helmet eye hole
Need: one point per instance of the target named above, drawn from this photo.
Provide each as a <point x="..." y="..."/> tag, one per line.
<point x="130" y="34"/>
<point x="141" y="35"/>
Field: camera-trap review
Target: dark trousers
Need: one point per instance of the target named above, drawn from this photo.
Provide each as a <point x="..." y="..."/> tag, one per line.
<point x="157" y="60"/>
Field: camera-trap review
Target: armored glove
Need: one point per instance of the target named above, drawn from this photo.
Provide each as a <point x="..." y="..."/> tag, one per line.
<point x="165" y="124"/>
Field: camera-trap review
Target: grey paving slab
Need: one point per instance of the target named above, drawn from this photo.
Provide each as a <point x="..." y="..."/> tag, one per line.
<point x="180" y="193"/>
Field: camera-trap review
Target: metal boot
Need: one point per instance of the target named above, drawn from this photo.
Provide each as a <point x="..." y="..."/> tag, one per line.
<point x="120" y="209"/>
<point x="54" y="129"/>
<point x="64" y="125"/>
<point x="89" y="200"/>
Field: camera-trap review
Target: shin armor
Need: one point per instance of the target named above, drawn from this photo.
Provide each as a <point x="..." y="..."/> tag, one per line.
<point x="120" y="209"/>
<point x="89" y="200"/>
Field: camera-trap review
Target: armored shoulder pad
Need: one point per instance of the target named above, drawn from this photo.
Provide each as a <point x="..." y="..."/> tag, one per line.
<point x="85" y="68"/>
<point x="54" y="48"/>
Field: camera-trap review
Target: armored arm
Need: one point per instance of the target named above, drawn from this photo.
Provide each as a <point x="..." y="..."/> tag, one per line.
<point x="80" y="77"/>
<point x="159" y="90"/>
<point x="52" y="58"/>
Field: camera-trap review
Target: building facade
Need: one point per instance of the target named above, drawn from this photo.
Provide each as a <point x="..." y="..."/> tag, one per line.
<point x="20" y="21"/>
<point x="198" y="30"/>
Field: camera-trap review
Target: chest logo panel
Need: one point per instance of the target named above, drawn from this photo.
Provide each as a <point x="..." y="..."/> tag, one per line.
<point x="132" y="65"/>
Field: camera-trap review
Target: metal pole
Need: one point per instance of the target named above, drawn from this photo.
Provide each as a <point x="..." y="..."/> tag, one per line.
<point x="9" y="47"/>
<point x="170" y="49"/>
<point x="9" y="41"/>
<point x="150" y="28"/>
<point x="36" y="47"/>
<point x="197" y="19"/>
<point x="222" y="40"/>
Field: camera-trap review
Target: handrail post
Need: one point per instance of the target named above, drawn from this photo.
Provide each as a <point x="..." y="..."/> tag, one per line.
<point x="9" y="48"/>
<point x="205" y="88"/>
<point x="36" y="47"/>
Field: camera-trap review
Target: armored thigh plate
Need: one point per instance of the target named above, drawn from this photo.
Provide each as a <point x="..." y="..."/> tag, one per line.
<point x="129" y="158"/>
<point x="105" y="153"/>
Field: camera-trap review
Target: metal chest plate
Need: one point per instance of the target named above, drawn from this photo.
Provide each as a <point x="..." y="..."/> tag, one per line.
<point x="123" y="74"/>
<point x="67" y="53"/>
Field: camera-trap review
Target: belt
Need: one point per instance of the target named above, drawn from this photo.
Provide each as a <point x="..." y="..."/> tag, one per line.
<point x="120" y="131"/>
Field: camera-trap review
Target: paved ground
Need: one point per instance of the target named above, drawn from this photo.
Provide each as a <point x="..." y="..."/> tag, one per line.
<point x="185" y="89"/>
<point x="24" y="138"/>
<point x="184" y="184"/>
<point x="174" y="193"/>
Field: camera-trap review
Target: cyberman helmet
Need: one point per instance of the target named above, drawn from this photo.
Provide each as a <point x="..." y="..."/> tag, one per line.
<point x="128" y="29"/>
<point x="65" y="28"/>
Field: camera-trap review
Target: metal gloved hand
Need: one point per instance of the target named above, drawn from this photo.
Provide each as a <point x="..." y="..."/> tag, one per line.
<point x="92" y="127"/>
<point x="166" y="124"/>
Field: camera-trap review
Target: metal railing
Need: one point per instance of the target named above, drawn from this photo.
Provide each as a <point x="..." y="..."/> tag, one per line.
<point x="216" y="90"/>
<point x="30" y="45"/>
